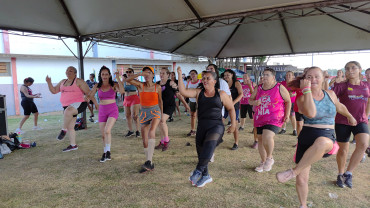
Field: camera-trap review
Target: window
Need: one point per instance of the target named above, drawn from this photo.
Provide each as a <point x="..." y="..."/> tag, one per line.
<point x="5" y="69"/>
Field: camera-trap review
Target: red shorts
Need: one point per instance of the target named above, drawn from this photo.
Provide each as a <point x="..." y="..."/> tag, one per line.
<point x="131" y="100"/>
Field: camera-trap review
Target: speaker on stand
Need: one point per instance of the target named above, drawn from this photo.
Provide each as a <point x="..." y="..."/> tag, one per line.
<point x="3" y="117"/>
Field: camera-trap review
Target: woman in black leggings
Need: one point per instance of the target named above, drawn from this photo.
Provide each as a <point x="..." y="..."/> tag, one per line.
<point x="210" y="128"/>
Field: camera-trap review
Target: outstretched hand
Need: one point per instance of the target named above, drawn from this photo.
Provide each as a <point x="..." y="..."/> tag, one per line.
<point x="179" y="71"/>
<point x="48" y="79"/>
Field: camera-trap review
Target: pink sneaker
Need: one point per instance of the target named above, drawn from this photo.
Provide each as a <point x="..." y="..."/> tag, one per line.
<point x="268" y="164"/>
<point x="260" y="167"/>
<point x="254" y="145"/>
<point x="285" y="176"/>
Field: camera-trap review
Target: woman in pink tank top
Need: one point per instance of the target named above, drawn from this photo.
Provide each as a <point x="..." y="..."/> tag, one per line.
<point x="273" y="105"/>
<point x="73" y="101"/>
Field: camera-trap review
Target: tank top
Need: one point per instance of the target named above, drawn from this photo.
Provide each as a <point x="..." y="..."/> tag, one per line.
<point x="168" y="94"/>
<point x="192" y="85"/>
<point x="234" y="95"/>
<point x="325" y="111"/>
<point x="246" y="94"/>
<point x="71" y="94"/>
<point x="23" y="96"/>
<point x="271" y="111"/>
<point x="209" y="108"/>
<point x="129" y="88"/>
<point x="149" y="98"/>
<point x="108" y="95"/>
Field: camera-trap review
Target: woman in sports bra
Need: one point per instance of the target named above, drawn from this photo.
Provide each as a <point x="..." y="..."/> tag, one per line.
<point x="108" y="110"/>
<point x="73" y="101"/>
<point x="151" y="112"/>
<point x="132" y="105"/>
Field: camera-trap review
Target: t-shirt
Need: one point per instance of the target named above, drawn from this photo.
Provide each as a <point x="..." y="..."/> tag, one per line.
<point x="355" y="98"/>
<point x="90" y="83"/>
<point x="193" y="85"/>
<point x="246" y="94"/>
<point x="292" y="92"/>
<point x="225" y="87"/>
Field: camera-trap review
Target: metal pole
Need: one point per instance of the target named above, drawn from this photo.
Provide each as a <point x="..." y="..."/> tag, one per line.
<point x="81" y="70"/>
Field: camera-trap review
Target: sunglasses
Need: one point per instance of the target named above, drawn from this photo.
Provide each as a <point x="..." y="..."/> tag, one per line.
<point x="129" y="72"/>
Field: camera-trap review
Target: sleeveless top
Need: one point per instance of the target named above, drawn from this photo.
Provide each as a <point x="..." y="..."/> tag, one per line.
<point x="108" y="95"/>
<point x="246" y="94"/>
<point x="71" y="94"/>
<point x="325" y="111"/>
<point x="193" y="86"/>
<point x="129" y="88"/>
<point x="23" y="96"/>
<point x="209" y="108"/>
<point x="149" y="98"/>
<point x="271" y="111"/>
<point x="168" y="94"/>
<point x="234" y="95"/>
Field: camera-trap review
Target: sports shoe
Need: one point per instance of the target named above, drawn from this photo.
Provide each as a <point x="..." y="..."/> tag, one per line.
<point x="235" y="147"/>
<point x="268" y="164"/>
<point x="18" y="130"/>
<point x="194" y="177"/>
<point x="159" y="146"/>
<point x="61" y="135"/>
<point x="129" y="133"/>
<point x="254" y="145"/>
<point x="363" y="158"/>
<point x="103" y="158"/>
<point x="353" y="141"/>
<point x="70" y="148"/>
<point x="241" y="128"/>
<point x="170" y="119"/>
<point x="229" y="123"/>
<point x="282" y="131"/>
<point x="91" y="119"/>
<point x="348" y="180"/>
<point x="203" y="181"/>
<point x="165" y="146"/>
<point x="107" y="155"/>
<point x="36" y="128"/>
<point x="137" y="133"/>
<point x="1" y="156"/>
<point x="260" y="167"/>
<point x="340" y="181"/>
<point x="285" y="176"/>
<point x="294" y="133"/>
<point x="191" y="133"/>
<point x="148" y="166"/>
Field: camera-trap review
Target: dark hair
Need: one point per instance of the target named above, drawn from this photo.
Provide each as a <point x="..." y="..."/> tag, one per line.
<point x="175" y="76"/>
<point x="367" y="70"/>
<point x="296" y="83"/>
<point x="101" y="80"/>
<point x="28" y="80"/>
<point x="193" y="70"/>
<point x="93" y="75"/>
<point x="233" y="73"/>
<point x="131" y="69"/>
<point x="273" y="72"/>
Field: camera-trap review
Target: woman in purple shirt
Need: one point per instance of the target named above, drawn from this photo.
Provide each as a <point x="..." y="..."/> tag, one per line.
<point x="354" y="94"/>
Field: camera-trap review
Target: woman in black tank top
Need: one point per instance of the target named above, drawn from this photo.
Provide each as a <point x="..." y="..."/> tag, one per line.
<point x="210" y="127"/>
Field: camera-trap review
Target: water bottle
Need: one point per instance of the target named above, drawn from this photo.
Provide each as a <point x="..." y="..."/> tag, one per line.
<point x="19" y="137"/>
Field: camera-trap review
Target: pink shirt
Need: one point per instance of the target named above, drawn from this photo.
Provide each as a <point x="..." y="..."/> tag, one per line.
<point x="246" y="94"/>
<point x="271" y="111"/>
<point x="292" y="92"/>
<point x="71" y="94"/>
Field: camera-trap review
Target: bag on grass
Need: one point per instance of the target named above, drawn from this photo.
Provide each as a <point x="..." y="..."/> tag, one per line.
<point x="4" y="149"/>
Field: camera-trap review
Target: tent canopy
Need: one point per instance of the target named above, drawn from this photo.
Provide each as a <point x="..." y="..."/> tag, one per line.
<point x="211" y="28"/>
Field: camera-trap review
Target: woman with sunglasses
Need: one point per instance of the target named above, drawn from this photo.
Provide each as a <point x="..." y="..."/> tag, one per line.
<point x="131" y="104"/>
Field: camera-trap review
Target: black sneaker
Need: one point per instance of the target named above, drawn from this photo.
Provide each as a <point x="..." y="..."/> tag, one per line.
<point x="170" y="119"/>
<point x="294" y="132"/>
<point x="148" y="166"/>
<point x="229" y="123"/>
<point x="129" y="133"/>
<point x="340" y="181"/>
<point x="348" y="180"/>
<point x="107" y="155"/>
<point x="282" y="131"/>
<point x="61" y="135"/>
<point x="70" y="148"/>
<point x="241" y="128"/>
<point x="103" y="158"/>
<point x="235" y="147"/>
<point x="137" y="133"/>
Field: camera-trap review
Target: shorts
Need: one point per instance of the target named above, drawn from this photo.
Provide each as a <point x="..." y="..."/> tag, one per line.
<point x="80" y="106"/>
<point x="131" y="100"/>
<point x="308" y="136"/>
<point x="244" y="109"/>
<point x="91" y="102"/>
<point x="298" y="116"/>
<point x="169" y="110"/>
<point x="343" y="132"/>
<point x="193" y="106"/>
<point x="272" y="128"/>
<point x="226" y="114"/>
<point x="29" y="107"/>
<point x="106" y="111"/>
<point x="148" y="114"/>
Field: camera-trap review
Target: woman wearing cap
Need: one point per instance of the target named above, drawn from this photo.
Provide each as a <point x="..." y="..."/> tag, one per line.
<point x="151" y="112"/>
<point x="28" y="105"/>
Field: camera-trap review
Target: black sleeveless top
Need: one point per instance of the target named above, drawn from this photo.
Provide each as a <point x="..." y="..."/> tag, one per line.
<point x="234" y="95"/>
<point x="209" y="108"/>
<point x="23" y="96"/>
<point x="168" y="94"/>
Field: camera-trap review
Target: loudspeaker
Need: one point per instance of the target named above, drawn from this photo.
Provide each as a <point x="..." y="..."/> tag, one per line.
<point x="3" y="117"/>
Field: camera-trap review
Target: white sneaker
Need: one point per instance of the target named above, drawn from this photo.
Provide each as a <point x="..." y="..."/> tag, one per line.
<point x="260" y="167"/>
<point x="18" y="130"/>
<point x="36" y="128"/>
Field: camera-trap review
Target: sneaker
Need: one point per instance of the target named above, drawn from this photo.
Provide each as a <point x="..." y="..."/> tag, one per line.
<point x="235" y="147"/>
<point x="129" y="133"/>
<point x="36" y="128"/>
<point x="363" y="158"/>
<point x="107" y="155"/>
<point x="194" y="177"/>
<point x="159" y="146"/>
<point x="137" y="133"/>
<point x="241" y="128"/>
<point x="254" y="145"/>
<point x="148" y="166"/>
<point x="170" y="119"/>
<point x="91" y="119"/>
<point x="340" y="181"/>
<point x="61" y="135"/>
<point x="353" y="141"/>
<point x="1" y="156"/>
<point x="19" y="131"/>
<point x="103" y="158"/>
<point x="282" y="131"/>
<point x="203" y="181"/>
<point x="285" y="176"/>
<point x="348" y="180"/>
<point x="165" y="146"/>
<point x="229" y="123"/>
<point x="294" y="133"/>
<point x="268" y="164"/>
<point x="260" y="167"/>
<point x="191" y="133"/>
<point x="70" y="148"/>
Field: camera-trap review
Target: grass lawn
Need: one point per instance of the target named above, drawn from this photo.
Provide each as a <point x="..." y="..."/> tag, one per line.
<point x="44" y="176"/>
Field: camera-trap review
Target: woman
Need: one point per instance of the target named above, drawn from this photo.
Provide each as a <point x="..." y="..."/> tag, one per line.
<point x="273" y="105"/>
<point x="108" y="110"/>
<point x="151" y="112"/>
<point x="338" y="79"/>
<point x="178" y="96"/>
<point x="73" y="101"/>
<point x="192" y="84"/>
<point x="28" y="105"/>
<point x="210" y="127"/>
<point x="289" y="76"/>
<point x="132" y="105"/>
<point x="354" y="94"/>
<point x="236" y="95"/>
<point x="319" y="108"/>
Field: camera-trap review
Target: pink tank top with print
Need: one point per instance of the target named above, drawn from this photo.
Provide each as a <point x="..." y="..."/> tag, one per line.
<point x="246" y="94"/>
<point x="71" y="94"/>
<point x="272" y="108"/>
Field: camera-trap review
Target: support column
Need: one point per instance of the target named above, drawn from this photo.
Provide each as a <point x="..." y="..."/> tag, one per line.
<point x="81" y="70"/>
<point x="15" y="86"/>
